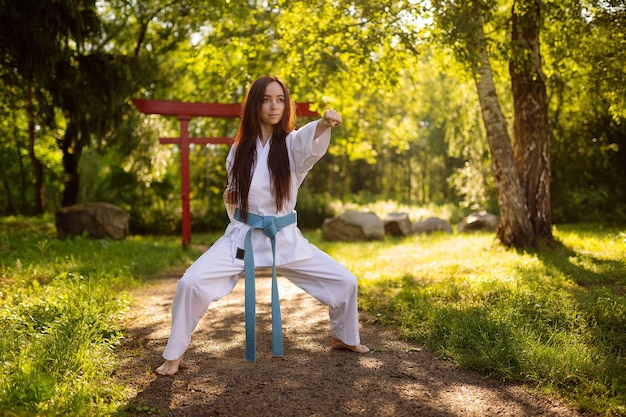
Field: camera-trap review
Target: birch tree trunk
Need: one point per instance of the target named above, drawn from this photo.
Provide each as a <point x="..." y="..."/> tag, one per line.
<point x="514" y="228"/>
<point x="531" y="132"/>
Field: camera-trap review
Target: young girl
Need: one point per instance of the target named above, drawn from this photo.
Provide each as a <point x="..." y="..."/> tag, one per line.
<point x="266" y="166"/>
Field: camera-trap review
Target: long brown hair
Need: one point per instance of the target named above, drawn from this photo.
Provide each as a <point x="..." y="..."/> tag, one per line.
<point x="240" y="175"/>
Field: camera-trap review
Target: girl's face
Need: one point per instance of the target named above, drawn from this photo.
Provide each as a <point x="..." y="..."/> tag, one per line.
<point x="273" y="106"/>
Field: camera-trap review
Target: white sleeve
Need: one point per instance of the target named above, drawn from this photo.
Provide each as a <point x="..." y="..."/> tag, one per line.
<point x="305" y="150"/>
<point x="230" y="159"/>
<point x="230" y="207"/>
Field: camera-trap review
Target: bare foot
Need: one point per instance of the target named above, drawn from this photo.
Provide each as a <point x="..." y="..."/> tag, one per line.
<point x="338" y="344"/>
<point x="169" y="368"/>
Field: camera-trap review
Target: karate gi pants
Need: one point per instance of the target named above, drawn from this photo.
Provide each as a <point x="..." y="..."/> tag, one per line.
<point x="214" y="275"/>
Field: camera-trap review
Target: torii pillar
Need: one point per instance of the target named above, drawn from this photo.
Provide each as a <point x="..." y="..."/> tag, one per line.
<point x="184" y="111"/>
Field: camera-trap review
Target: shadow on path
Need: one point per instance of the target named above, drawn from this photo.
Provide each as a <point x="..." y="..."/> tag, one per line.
<point x="311" y="379"/>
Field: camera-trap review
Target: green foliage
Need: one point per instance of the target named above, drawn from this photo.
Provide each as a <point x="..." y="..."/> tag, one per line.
<point x="554" y="318"/>
<point x="18" y="188"/>
<point x="412" y="124"/>
<point x="313" y="209"/>
<point x="61" y="308"/>
<point x="589" y="134"/>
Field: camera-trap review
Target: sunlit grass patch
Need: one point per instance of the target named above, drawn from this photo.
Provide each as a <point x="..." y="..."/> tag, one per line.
<point x="554" y="317"/>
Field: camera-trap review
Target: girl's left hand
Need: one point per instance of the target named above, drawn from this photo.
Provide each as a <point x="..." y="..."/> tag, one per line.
<point x="332" y="118"/>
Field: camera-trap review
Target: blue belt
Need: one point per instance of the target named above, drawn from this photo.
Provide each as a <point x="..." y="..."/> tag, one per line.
<point x="270" y="225"/>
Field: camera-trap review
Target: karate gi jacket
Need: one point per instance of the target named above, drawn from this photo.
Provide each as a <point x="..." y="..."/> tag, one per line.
<point x="291" y="246"/>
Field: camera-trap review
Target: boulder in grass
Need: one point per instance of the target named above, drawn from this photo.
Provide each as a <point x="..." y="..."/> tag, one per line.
<point x="353" y="226"/>
<point x="430" y="225"/>
<point x="397" y="224"/>
<point x="98" y="220"/>
<point x="478" y="222"/>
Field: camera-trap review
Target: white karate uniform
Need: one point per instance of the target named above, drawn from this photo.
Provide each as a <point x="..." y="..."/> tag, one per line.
<point x="216" y="272"/>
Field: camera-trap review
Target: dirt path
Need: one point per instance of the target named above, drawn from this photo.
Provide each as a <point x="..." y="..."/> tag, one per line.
<point x="395" y="379"/>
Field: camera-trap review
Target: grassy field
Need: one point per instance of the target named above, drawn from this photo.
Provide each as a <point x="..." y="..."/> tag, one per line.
<point x="61" y="305"/>
<point x="554" y="318"/>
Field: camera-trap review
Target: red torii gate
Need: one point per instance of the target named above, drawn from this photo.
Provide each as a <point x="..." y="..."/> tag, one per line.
<point x="184" y="111"/>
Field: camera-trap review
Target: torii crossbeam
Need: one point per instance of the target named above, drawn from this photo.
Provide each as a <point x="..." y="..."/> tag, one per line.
<point x="184" y="111"/>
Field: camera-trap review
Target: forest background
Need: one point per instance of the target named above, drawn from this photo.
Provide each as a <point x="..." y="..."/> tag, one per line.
<point x="422" y="130"/>
<point x="413" y="131"/>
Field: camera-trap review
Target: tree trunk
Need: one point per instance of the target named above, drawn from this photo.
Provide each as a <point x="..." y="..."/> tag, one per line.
<point x="409" y="176"/>
<point x="71" y="154"/>
<point x="514" y="228"/>
<point x="531" y="132"/>
<point x="10" y="207"/>
<point x="34" y="161"/>
<point x="23" y="204"/>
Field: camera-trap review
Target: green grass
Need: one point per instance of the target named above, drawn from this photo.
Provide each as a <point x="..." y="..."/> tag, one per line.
<point x="61" y="305"/>
<point x="554" y="318"/>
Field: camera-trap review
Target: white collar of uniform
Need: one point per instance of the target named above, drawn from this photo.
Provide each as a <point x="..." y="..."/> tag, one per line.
<point x="259" y="144"/>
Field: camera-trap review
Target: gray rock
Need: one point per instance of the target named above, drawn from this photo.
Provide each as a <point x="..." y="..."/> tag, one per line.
<point x="98" y="220"/>
<point x="397" y="224"/>
<point x="478" y="221"/>
<point x="353" y="226"/>
<point x="431" y="224"/>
